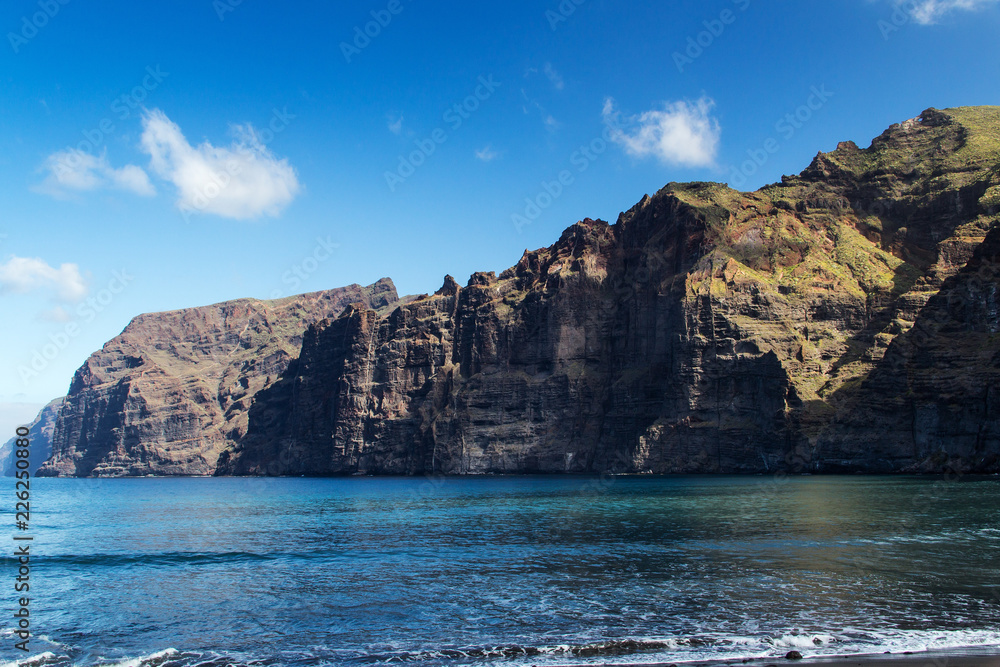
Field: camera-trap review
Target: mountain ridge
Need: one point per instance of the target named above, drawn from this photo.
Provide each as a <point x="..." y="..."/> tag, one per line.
<point x="165" y="395"/>
<point x="40" y="436"/>
<point x="706" y="330"/>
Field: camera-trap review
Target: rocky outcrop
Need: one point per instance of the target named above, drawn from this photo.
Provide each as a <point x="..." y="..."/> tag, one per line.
<point x="172" y="391"/>
<point x="933" y="402"/>
<point x="707" y="330"/>
<point x="40" y="437"/>
<point x="844" y="319"/>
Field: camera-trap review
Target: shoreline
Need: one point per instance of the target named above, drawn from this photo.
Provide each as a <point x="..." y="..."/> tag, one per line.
<point x="970" y="657"/>
<point x="947" y="475"/>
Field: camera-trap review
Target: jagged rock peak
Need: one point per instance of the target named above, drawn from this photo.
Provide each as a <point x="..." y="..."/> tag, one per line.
<point x="450" y="287"/>
<point x="842" y="320"/>
<point x="482" y="279"/>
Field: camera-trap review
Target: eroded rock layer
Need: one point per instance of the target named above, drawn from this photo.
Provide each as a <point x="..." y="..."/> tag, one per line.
<point x="172" y="391"/>
<point x="844" y="319"/>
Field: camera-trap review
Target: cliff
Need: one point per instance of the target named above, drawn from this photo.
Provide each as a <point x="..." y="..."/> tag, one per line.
<point x="843" y="319"/>
<point x="39" y="434"/>
<point x="168" y="394"/>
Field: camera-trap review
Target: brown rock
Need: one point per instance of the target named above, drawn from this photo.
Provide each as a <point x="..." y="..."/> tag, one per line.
<point x="172" y="391"/>
<point x="842" y="320"/>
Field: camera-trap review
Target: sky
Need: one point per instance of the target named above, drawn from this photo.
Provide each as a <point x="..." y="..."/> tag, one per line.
<point x="162" y="155"/>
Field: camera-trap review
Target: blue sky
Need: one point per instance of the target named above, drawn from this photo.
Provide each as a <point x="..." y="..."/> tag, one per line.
<point x="161" y="155"/>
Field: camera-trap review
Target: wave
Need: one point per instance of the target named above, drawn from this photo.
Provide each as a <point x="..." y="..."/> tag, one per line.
<point x="638" y="650"/>
<point x="39" y="660"/>
<point x="703" y="648"/>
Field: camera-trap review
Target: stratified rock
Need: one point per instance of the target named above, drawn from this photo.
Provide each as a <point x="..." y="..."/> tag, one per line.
<point x="845" y="319"/>
<point x="40" y="438"/>
<point x="932" y="403"/>
<point x="172" y="391"/>
<point x="708" y="330"/>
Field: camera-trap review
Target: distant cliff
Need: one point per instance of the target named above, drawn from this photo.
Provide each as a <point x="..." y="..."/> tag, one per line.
<point x="171" y="392"/>
<point x="844" y="319"/>
<point x="40" y="436"/>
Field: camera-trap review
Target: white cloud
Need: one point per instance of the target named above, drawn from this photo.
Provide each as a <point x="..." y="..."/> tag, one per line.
<point x="73" y="169"/>
<point x="682" y="133"/>
<point x="554" y="77"/>
<point x="23" y="275"/>
<point x="396" y="126"/>
<point x="551" y="124"/>
<point x="927" y="12"/>
<point x="242" y="181"/>
<point x="131" y="177"/>
<point x="487" y="154"/>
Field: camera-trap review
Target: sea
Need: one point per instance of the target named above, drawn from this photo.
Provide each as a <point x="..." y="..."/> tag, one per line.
<point x="507" y="571"/>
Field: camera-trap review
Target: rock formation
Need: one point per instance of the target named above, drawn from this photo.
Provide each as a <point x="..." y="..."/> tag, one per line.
<point x="40" y="436"/>
<point x="844" y="319"/>
<point x="172" y="390"/>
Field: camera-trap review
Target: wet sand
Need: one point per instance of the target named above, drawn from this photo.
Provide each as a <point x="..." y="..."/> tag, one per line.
<point x="929" y="659"/>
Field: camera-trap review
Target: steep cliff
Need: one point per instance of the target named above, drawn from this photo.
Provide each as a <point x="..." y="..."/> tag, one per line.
<point x="934" y="398"/>
<point x="708" y="330"/>
<point x="40" y="436"/>
<point x="844" y="319"/>
<point x="172" y="390"/>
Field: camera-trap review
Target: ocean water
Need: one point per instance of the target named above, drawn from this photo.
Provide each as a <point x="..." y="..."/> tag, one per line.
<point x="504" y="570"/>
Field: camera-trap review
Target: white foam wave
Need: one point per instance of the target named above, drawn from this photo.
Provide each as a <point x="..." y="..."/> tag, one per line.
<point x="39" y="659"/>
<point x="849" y="642"/>
<point x="806" y="641"/>
<point x="150" y="660"/>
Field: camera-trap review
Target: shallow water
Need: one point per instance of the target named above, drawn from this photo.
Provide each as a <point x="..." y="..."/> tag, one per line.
<point x="506" y="570"/>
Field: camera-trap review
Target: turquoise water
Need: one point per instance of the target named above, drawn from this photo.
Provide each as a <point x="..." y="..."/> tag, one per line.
<point x="505" y="570"/>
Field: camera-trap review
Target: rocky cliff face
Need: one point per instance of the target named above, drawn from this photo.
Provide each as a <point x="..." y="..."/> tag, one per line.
<point x="933" y="401"/>
<point x="39" y="434"/>
<point x="172" y="391"/>
<point x="844" y="319"/>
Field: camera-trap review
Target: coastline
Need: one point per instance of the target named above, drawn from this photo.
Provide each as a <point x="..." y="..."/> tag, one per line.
<point x="972" y="657"/>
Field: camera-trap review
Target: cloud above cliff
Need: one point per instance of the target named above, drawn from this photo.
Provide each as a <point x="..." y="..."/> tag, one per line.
<point x="27" y="275"/>
<point x="487" y="154"/>
<point x="927" y="12"/>
<point x="74" y="170"/>
<point x="242" y="181"/>
<point x="680" y="133"/>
